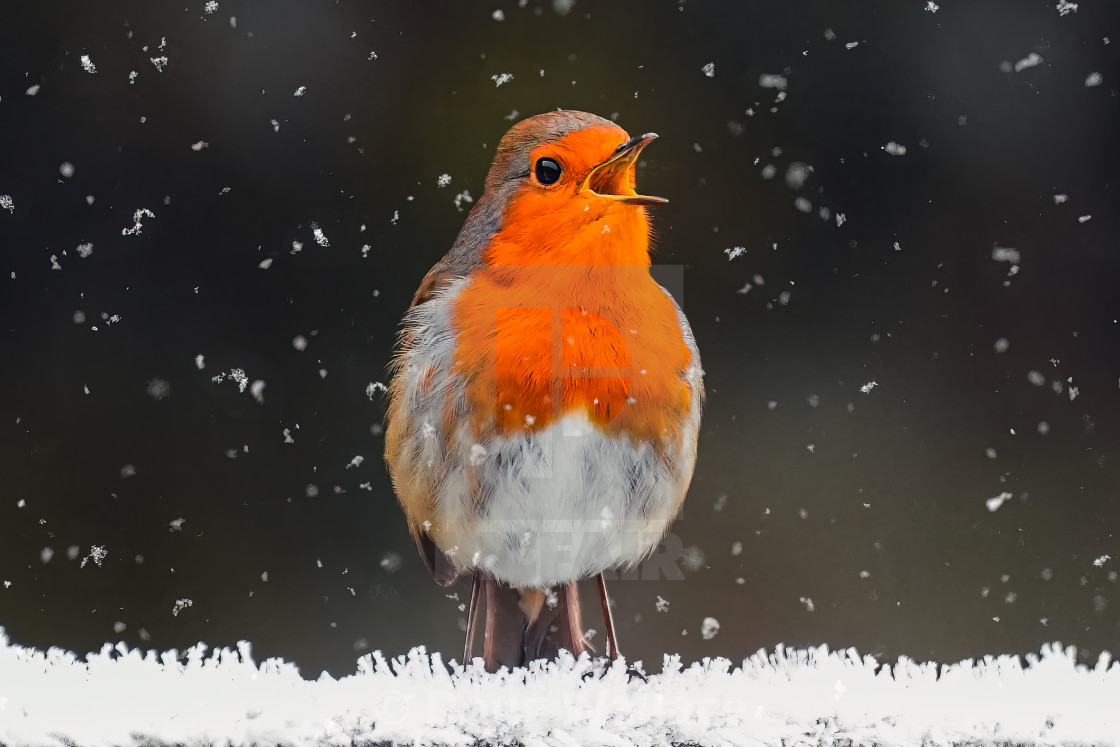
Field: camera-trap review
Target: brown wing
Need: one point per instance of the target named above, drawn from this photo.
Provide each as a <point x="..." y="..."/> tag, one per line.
<point x="464" y="257"/>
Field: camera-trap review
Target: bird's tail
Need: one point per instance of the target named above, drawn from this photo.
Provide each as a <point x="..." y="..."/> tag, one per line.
<point x="523" y="625"/>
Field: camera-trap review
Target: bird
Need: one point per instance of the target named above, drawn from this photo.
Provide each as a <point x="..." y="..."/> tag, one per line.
<point x="546" y="391"/>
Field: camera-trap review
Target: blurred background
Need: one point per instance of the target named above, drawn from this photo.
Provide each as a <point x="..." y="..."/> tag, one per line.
<point x="897" y="229"/>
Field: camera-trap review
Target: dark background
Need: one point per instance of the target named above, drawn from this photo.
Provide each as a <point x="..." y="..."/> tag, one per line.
<point x="871" y="505"/>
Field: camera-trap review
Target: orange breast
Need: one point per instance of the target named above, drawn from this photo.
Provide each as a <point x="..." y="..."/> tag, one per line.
<point x="536" y="342"/>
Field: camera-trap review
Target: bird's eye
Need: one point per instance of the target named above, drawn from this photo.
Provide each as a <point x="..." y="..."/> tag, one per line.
<point x="548" y="171"/>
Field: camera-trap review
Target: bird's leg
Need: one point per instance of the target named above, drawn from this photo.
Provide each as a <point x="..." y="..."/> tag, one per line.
<point x="608" y="619"/>
<point x="472" y="618"/>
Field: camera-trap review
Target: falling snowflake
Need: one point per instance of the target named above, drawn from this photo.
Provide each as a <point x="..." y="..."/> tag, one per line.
<point x="501" y="79"/>
<point x="159" y="62"/>
<point x="462" y="197"/>
<point x="993" y="504"/>
<point x="1029" y="61"/>
<point x="392" y="562"/>
<point x="708" y="628"/>
<point x="87" y="64"/>
<point x="97" y="553"/>
<point x="138" y="226"/>
<point x="768" y="80"/>
<point x="210" y="7"/>
<point x="709" y="69"/>
<point x="180" y="605"/>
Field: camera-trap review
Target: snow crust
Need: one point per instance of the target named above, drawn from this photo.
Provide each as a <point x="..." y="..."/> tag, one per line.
<point x="122" y="696"/>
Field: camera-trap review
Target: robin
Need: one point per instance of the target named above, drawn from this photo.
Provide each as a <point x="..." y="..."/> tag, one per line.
<point x="546" y="391"/>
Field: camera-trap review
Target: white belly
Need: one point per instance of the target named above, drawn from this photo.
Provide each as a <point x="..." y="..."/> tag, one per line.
<point x="557" y="505"/>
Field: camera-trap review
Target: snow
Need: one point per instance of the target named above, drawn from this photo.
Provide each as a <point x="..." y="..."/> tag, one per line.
<point x="391" y="562"/>
<point x="443" y="180"/>
<point x="768" y="80"/>
<point x="895" y="149"/>
<point x="1093" y="79"/>
<point x="1064" y="7"/>
<point x="97" y="553"/>
<point x="1005" y="254"/>
<point x="6" y="203"/>
<point x="87" y="64"/>
<point x="1027" y="62"/>
<point x="137" y="218"/>
<point x="866" y="388"/>
<point x="735" y="252"/>
<point x="932" y="7"/>
<point x="709" y="70"/>
<point x="463" y="197"/>
<point x="501" y="79"/>
<point x="993" y="504"/>
<point x="300" y="91"/>
<point x="709" y="628"/>
<point x="159" y="62"/>
<point x="797" y="174"/>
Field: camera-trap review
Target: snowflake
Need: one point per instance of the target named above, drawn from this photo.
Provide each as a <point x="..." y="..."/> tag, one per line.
<point x="138" y="226"/>
<point x="97" y="553"/>
<point x="735" y="252"/>
<point x="462" y="197"/>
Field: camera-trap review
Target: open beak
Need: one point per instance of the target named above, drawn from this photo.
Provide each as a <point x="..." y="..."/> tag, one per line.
<point x="612" y="178"/>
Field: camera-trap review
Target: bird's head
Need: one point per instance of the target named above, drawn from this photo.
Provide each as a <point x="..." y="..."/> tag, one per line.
<point x="564" y="185"/>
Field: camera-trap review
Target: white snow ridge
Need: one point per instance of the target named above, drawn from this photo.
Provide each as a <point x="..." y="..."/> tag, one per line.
<point x="122" y="696"/>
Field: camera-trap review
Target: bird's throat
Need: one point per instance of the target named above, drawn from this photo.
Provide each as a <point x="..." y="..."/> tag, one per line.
<point x="586" y="232"/>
